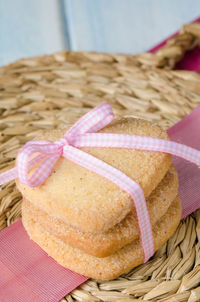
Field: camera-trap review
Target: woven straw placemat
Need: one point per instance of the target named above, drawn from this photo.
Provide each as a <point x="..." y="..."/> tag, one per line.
<point x="49" y="92"/>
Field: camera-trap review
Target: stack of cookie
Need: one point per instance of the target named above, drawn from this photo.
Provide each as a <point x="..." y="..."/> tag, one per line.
<point x="87" y="223"/>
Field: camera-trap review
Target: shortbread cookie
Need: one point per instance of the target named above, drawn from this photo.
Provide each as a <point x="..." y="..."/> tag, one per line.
<point x="89" y="201"/>
<point x="105" y="244"/>
<point x="109" y="267"/>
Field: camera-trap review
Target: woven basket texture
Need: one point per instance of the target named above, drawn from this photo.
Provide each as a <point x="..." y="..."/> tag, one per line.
<point x="53" y="91"/>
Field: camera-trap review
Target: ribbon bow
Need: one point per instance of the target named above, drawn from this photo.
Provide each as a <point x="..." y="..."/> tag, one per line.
<point x="44" y="155"/>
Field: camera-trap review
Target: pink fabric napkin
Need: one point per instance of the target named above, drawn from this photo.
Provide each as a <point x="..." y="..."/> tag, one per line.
<point x="28" y="274"/>
<point x="187" y="132"/>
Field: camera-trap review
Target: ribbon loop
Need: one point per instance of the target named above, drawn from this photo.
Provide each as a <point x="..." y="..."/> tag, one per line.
<point x="41" y="155"/>
<point x="93" y="121"/>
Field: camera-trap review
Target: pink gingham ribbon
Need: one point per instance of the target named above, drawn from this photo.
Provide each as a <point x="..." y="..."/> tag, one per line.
<point x="44" y="155"/>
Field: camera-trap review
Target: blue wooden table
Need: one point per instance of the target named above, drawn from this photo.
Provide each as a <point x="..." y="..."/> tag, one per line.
<point x="34" y="27"/>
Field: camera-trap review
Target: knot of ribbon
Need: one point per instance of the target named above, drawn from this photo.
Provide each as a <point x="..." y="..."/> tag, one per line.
<point x="42" y="156"/>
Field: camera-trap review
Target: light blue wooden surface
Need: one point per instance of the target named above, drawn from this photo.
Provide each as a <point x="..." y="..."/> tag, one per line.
<point x="33" y="27"/>
<point x="29" y="28"/>
<point x="126" y="26"/>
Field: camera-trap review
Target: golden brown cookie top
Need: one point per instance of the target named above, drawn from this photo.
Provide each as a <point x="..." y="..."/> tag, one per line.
<point x="88" y="201"/>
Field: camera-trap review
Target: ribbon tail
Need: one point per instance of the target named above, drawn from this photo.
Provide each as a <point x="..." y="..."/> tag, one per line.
<point x="8" y="176"/>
